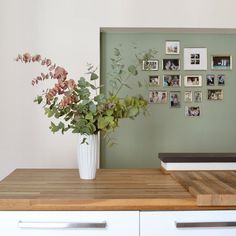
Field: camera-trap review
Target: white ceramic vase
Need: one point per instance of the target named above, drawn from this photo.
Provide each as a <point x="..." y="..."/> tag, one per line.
<point x="87" y="156"/>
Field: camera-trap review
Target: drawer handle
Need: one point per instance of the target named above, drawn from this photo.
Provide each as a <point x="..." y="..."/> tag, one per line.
<point x="204" y="224"/>
<point x="62" y="225"/>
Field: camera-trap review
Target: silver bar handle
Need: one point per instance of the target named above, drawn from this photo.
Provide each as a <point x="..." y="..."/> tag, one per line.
<point x="62" y="225"/>
<point x="204" y="224"/>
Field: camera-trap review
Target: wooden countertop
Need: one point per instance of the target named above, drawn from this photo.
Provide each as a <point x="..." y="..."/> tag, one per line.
<point x="113" y="189"/>
<point x="211" y="188"/>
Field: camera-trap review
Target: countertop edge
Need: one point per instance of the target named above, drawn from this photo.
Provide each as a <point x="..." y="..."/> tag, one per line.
<point x="105" y="205"/>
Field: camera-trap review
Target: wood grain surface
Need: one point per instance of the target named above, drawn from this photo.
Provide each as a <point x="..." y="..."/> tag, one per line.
<point x="211" y="188"/>
<point x="113" y="189"/>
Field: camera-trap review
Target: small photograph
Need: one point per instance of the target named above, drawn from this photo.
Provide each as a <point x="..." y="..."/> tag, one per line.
<point x="156" y="96"/>
<point x="172" y="47"/>
<point x="188" y="96"/>
<point x="195" y="58"/>
<point x="210" y="80"/>
<point x="215" y="94"/>
<point x="171" y="80"/>
<point x="150" y="65"/>
<point x="192" y="111"/>
<point x="154" y="80"/>
<point x="175" y="98"/>
<point x="197" y="96"/>
<point x="221" y="80"/>
<point x="170" y="64"/>
<point x="221" y="62"/>
<point x="193" y="81"/>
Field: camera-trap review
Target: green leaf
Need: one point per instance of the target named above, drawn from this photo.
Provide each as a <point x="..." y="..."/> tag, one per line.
<point x="61" y="125"/>
<point x="140" y="84"/>
<point x="126" y="85"/>
<point x="65" y="129"/>
<point x="132" y="69"/>
<point x="49" y="112"/>
<point x="84" y="141"/>
<point x="69" y="116"/>
<point x="105" y="121"/>
<point x="92" y="108"/>
<point x="89" y="116"/>
<point x="102" y="123"/>
<point x="99" y="98"/>
<point x="90" y="67"/>
<point x="116" y="52"/>
<point x="109" y="112"/>
<point x="93" y="87"/>
<point x="54" y="128"/>
<point x="93" y="76"/>
<point x="38" y="99"/>
<point x="133" y="112"/>
<point x="85" y="102"/>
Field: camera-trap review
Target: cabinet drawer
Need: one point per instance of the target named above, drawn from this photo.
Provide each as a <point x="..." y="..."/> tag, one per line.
<point x="188" y="223"/>
<point x="68" y="223"/>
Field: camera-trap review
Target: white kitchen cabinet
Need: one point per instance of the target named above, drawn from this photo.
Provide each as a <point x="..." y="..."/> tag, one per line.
<point x="69" y="223"/>
<point x="187" y="223"/>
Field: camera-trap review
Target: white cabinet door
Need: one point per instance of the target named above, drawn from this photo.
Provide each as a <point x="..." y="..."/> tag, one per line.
<point x="69" y="223"/>
<point x="188" y="223"/>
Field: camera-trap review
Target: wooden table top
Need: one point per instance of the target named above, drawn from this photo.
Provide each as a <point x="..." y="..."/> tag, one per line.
<point x="113" y="189"/>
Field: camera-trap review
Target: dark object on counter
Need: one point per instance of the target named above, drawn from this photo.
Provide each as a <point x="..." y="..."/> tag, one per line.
<point x="197" y="157"/>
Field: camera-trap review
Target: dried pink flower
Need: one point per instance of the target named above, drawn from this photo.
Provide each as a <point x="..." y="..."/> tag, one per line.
<point x="60" y="73"/>
<point x="51" y="68"/>
<point x="71" y="84"/>
<point x="26" y="57"/>
<point x="67" y="100"/>
<point x="48" y="62"/>
<point x="43" y="62"/>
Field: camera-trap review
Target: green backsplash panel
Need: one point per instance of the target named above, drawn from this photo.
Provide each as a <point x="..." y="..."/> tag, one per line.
<point x="167" y="129"/>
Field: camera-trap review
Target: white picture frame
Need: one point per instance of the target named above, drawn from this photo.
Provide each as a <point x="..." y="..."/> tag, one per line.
<point x="221" y="62"/>
<point x="197" y="96"/>
<point x="195" y="58"/>
<point x="150" y="65"/>
<point x="192" y="111"/>
<point x="175" y="99"/>
<point x="172" y="80"/>
<point x="193" y="81"/>
<point x="158" y="97"/>
<point x="188" y="96"/>
<point x="172" y="47"/>
<point x="171" y="64"/>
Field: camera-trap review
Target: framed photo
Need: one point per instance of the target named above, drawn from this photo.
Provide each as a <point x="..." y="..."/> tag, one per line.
<point x="188" y="96"/>
<point x="210" y="80"/>
<point x="170" y="64"/>
<point x="175" y="98"/>
<point x="171" y="80"/>
<point x="150" y="65"/>
<point x="193" y="81"/>
<point x="221" y="62"/>
<point x="197" y="96"/>
<point x="221" y="80"/>
<point x="156" y="96"/>
<point x="172" y="47"/>
<point x="195" y="59"/>
<point x="154" y="80"/>
<point x="192" y="111"/>
<point x="215" y="94"/>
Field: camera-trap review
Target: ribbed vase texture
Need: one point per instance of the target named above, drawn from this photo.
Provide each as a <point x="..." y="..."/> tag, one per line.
<point x="87" y="156"/>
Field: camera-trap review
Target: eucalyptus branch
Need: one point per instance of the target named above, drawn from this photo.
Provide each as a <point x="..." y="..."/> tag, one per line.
<point x="70" y="101"/>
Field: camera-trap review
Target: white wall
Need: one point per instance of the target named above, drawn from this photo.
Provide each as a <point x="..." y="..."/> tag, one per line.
<point x="67" y="31"/>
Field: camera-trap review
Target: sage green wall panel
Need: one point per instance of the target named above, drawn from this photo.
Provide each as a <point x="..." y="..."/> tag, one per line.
<point x="167" y="129"/>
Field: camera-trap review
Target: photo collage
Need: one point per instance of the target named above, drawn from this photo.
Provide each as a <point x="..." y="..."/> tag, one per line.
<point x="194" y="59"/>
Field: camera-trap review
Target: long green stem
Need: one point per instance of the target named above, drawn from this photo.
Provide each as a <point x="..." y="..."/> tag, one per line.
<point x="126" y="80"/>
